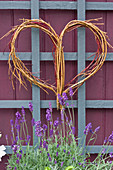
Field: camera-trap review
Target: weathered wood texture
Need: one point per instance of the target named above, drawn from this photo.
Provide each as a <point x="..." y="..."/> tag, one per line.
<point x="97" y="92"/>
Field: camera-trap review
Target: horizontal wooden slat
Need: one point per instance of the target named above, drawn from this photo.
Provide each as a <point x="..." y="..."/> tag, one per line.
<point x="21" y="55"/>
<point x="14" y="103"/>
<point x="63" y="5"/>
<point x="9" y="150"/>
<point x="99" y="6"/>
<point x="92" y="149"/>
<point x="45" y="103"/>
<point x="109" y="57"/>
<point x="58" y="5"/>
<point x="99" y="104"/>
<point x="98" y="148"/>
<point x="73" y="5"/>
<point x="89" y="103"/>
<point x="25" y="103"/>
<point x="42" y="5"/>
<point x="15" y="4"/>
<point x="45" y="56"/>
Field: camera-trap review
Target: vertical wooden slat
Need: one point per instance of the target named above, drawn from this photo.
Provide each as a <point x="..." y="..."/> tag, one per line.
<point x="81" y="66"/>
<point x="35" y="64"/>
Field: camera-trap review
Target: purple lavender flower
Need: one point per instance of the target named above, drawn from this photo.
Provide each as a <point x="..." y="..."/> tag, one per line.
<point x="38" y="123"/>
<point x="50" y="107"/>
<point x="66" y="119"/>
<point x="64" y="150"/>
<point x="22" y="120"/>
<point x="44" y="126"/>
<point x="20" y="156"/>
<point x="111" y="154"/>
<point x="105" y="140"/>
<point x="30" y="107"/>
<point x="15" y="148"/>
<point x="46" y="147"/>
<point x="61" y="100"/>
<point x="57" y="145"/>
<point x="17" y="127"/>
<point x="18" y="115"/>
<point x="17" y="155"/>
<point x="15" y="168"/>
<point x="67" y="104"/>
<point x="26" y="142"/>
<point x="44" y="144"/>
<point x="62" y="164"/>
<point x="64" y="95"/>
<point x="51" y="132"/>
<point x="88" y="128"/>
<point x="110" y="138"/>
<point x="73" y="158"/>
<point x="72" y="105"/>
<point x="48" y="111"/>
<point x="55" y="162"/>
<point x="14" y="143"/>
<point x="70" y="92"/>
<point x="16" y="122"/>
<point x="49" y="158"/>
<point x="39" y="131"/>
<point x="50" y="122"/>
<point x="48" y="154"/>
<point x="23" y="111"/>
<point x="73" y="130"/>
<point x="11" y="122"/>
<point x="91" y="131"/>
<point x="33" y="122"/>
<point x="40" y="143"/>
<point x="56" y="122"/>
<point x="16" y="138"/>
<point x="96" y="130"/>
<point x="38" y="128"/>
<point x="20" y="151"/>
<point x="56" y="153"/>
<point x="17" y="161"/>
<point x="48" y="116"/>
<point x="103" y="151"/>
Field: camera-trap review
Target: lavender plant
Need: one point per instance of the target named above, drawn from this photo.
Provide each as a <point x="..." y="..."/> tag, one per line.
<point x="58" y="148"/>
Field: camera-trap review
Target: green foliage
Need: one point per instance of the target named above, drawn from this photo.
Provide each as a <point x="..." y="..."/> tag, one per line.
<point x="69" y="168"/>
<point x="58" y="148"/>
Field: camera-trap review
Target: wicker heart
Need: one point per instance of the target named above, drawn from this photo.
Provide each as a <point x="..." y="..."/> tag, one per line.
<point x="20" y="71"/>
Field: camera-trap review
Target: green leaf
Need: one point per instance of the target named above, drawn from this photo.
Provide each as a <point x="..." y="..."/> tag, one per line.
<point x="47" y="168"/>
<point x="91" y="139"/>
<point x="69" y="168"/>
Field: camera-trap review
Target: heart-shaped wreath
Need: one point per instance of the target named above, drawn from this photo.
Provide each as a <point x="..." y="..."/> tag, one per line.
<point x="19" y="70"/>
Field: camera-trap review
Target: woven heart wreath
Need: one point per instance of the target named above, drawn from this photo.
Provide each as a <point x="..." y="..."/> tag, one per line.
<point x="20" y="71"/>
